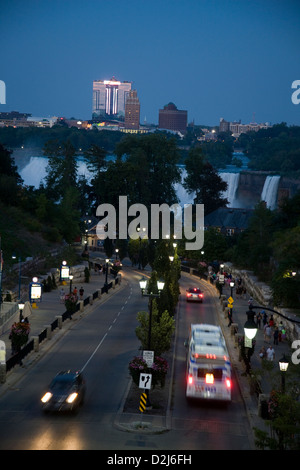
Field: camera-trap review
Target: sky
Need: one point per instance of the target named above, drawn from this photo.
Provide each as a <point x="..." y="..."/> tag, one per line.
<point x="231" y="59"/>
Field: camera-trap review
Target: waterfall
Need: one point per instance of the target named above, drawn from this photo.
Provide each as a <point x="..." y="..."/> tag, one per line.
<point x="35" y="171"/>
<point x="269" y="192"/>
<point x="183" y="196"/>
<point x="232" y="180"/>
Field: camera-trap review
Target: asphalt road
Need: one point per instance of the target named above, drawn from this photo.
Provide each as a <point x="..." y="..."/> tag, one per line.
<point x="102" y="343"/>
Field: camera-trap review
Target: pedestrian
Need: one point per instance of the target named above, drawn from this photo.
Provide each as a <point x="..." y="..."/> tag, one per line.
<point x="262" y="352"/>
<point x="75" y="291"/>
<point x="267" y="333"/>
<point x="265" y="317"/>
<point x="276" y="336"/>
<point x="250" y="302"/>
<point x="81" y="292"/>
<point x="258" y="320"/>
<point x="271" y="321"/>
<point x="62" y="295"/>
<point x="270" y="353"/>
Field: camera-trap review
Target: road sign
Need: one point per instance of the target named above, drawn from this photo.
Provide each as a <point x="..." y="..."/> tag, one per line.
<point x="230" y="300"/>
<point x="143" y="401"/>
<point x="221" y="278"/>
<point x="148" y="357"/>
<point x="145" y="381"/>
<point x="230" y="305"/>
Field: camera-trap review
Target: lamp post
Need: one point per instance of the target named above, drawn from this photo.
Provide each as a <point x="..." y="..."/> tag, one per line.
<point x="106" y="271"/>
<point x="71" y="278"/>
<point x="21" y="307"/>
<point x="283" y="366"/>
<point x="250" y="330"/>
<point x="143" y="286"/>
<point x="140" y="243"/>
<point x="231" y="287"/>
<point x="14" y="257"/>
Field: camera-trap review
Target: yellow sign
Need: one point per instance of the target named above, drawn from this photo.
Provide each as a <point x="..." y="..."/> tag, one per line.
<point x="230" y="305"/>
<point x="230" y="300"/>
<point x="143" y="402"/>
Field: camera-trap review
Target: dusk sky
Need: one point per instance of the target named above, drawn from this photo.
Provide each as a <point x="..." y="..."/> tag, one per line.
<point x="213" y="58"/>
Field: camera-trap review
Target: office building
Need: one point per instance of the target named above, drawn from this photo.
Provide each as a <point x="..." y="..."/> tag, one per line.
<point x="237" y="128"/>
<point x="109" y="98"/>
<point x="132" y="111"/>
<point x="172" y="119"/>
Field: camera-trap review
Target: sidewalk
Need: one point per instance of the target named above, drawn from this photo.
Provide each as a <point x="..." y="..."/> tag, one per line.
<point x="239" y="317"/>
<point x="50" y="307"/>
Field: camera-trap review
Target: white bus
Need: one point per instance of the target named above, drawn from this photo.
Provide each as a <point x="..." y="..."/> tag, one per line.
<point x="208" y="364"/>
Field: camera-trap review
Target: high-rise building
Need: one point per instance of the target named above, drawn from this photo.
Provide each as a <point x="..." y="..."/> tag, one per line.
<point x="109" y="98"/>
<point x="132" y="111"/>
<point x="172" y="118"/>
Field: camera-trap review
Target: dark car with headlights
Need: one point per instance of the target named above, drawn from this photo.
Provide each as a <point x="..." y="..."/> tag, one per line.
<point x="65" y="393"/>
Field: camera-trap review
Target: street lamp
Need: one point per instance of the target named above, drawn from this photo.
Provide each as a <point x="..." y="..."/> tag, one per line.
<point x="21" y="306"/>
<point x="283" y="366"/>
<point x="140" y="242"/>
<point x="143" y="286"/>
<point x="71" y="278"/>
<point x="14" y="257"/>
<point x="250" y="328"/>
<point x="106" y="271"/>
<point x="231" y="287"/>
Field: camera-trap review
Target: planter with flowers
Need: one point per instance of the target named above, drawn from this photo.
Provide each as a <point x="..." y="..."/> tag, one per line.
<point x="19" y="334"/>
<point x="158" y="370"/>
<point x="71" y="302"/>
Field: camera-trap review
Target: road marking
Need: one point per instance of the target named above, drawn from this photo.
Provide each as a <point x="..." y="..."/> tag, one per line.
<point x="92" y="355"/>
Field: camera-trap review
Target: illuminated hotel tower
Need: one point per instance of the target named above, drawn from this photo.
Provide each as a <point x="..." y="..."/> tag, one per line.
<point x="109" y="98"/>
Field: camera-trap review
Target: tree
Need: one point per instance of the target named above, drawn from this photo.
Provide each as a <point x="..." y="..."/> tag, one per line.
<point x="162" y="328"/>
<point x="204" y="181"/>
<point x="61" y="169"/>
<point x="10" y="180"/>
<point x="153" y="159"/>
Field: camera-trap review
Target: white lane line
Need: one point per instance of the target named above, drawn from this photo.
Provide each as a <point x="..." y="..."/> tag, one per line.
<point x="92" y="355"/>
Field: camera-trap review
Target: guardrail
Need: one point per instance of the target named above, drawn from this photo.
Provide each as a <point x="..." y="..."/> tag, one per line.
<point x="31" y="345"/>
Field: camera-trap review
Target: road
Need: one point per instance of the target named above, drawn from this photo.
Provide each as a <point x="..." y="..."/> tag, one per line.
<point x="102" y="343"/>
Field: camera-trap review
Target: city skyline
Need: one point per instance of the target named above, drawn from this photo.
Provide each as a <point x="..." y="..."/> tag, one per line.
<point x="231" y="59"/>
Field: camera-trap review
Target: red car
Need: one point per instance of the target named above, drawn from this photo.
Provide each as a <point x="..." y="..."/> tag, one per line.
<point x="194" y="294"/>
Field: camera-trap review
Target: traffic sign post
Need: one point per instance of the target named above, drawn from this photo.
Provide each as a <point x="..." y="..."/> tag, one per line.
<point x="145" y="381"/>
<point x="143" y="401"/>
<point x="148" y="357"/>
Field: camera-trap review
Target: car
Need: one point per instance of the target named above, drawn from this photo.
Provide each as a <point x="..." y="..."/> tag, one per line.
<point x="65" y="393"/>
<point x="194" y="294"/>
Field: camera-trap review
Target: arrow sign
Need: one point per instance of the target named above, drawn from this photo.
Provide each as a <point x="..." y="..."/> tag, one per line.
<point x="145" y="381"/>
<point x="230" y="300"/>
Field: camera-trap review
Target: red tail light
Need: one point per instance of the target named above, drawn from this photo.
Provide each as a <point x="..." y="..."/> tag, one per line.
<point x="228" y="383"/>
<point x="190" y="379"/>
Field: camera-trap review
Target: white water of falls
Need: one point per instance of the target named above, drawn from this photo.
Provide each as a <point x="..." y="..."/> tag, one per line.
<point x="34" y="173"/>
<point x="269" y="192"/>
<point x="232" y="180"/>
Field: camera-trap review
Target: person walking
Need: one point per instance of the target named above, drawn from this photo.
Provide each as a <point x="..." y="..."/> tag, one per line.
<point x="276" y="336"/>
<point x="270" y="353"/>
<point x="62" y="295"/>
<point x="81" y="292"/>
<point x="267" y="333"/>
<point x="258" y="320"/>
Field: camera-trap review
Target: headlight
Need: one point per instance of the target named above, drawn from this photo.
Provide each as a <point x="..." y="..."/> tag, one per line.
<point x="46" y="397"/>
<point x="72" y="397"/>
